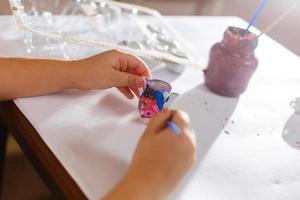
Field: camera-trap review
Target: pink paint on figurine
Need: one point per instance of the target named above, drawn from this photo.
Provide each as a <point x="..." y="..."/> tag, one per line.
<point x="148" y="107"/>
<point x="156" y="96"/>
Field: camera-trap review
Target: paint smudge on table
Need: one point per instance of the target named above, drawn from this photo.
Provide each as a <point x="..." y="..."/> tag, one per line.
<point x="227" y="132"/>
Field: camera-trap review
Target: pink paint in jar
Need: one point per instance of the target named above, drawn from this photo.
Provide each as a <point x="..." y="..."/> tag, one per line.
<point x="232" y="62"/>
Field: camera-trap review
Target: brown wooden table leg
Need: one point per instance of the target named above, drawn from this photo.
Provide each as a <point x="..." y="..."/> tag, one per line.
<point x="41" y="157"/>
<point x="3" y="141"/>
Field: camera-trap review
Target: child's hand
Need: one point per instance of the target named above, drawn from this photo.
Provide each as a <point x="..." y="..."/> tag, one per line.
<point x="163" y="158"/>
<point x="160" y="161"/>
<point x="32" y="77"/>
<point x="112" y="69"/>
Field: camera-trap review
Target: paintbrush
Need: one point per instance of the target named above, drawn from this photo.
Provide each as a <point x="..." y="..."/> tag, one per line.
<point x="278" y="20"/>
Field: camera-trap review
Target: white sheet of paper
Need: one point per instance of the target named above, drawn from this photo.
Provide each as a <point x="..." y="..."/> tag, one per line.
<point x="243" y="150"/>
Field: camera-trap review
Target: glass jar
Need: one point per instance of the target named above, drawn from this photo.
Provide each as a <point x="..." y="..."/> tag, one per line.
<point x="232" y="63"/>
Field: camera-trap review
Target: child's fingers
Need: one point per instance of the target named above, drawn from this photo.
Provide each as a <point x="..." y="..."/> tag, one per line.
<point x="181" y="122"/>
<point x="126" y="91"/>
<point x="127" y="61"/>
<point x="124" y="79"/>
<point x="136" y="91"/>
<point x="181" y="119"/>
<point x="159" y="121"/>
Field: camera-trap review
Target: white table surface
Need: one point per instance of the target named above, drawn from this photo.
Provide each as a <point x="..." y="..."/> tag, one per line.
<point x="243" y="150"/>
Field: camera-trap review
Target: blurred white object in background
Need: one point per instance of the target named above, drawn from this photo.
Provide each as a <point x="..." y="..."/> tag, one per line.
<point x="93" y="26"/>
<point x="295" y="104"/>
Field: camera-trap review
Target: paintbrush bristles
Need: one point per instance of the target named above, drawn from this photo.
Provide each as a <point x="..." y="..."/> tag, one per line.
<point x="278" y="20"/>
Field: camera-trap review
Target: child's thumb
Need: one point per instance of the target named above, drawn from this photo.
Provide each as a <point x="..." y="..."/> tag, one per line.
<point x="159" y="121"/>
<point x="130" y="80"/>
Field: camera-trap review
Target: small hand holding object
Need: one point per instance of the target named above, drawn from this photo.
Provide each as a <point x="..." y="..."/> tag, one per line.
<point x="160" y="161"/>
<point x="113" y="69"/>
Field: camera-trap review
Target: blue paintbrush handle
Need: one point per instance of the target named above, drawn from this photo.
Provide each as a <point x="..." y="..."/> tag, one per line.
<point x="254" y="18"/>
<point x="174" y="127"/>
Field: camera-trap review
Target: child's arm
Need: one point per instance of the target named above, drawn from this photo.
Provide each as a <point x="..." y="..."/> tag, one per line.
<point x="160" y="161"/>
<point x="31" y="77"/>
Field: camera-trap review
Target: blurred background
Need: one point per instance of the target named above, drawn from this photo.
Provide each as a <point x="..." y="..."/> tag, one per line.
<point x="285" y="33"/>
<point x="18" y="170"/>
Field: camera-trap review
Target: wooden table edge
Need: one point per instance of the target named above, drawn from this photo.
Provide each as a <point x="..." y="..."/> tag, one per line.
<point x="3" y="142"/>
<point x="59" y="181"/>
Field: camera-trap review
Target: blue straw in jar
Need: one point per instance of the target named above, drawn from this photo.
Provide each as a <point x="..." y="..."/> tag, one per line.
<point x="254" y="18"/>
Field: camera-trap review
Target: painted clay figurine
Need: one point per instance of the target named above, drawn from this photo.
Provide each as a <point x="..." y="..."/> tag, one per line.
<point x="154" y="98"/>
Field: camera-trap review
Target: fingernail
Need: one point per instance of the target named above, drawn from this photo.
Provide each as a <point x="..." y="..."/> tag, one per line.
<point x="139" y="83"/>
<point x="165" y="110"/>
<point x="140" y="91"/>
<point x="145" y="79"/>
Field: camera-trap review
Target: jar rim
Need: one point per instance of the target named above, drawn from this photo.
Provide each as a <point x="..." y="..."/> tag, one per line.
<point x="238" y="32"/>
<point x="234" y="39"/>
